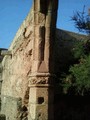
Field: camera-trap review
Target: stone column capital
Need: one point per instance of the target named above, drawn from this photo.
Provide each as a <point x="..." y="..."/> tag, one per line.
<point x="41" y="78"/>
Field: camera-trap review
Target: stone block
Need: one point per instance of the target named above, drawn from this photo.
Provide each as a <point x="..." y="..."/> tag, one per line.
<point x="10" y="106"/>
<point x="40" y="96"/>
<point x="39" y="93"/>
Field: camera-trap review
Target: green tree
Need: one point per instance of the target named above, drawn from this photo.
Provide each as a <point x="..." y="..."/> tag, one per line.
<point x="82" y="21"/>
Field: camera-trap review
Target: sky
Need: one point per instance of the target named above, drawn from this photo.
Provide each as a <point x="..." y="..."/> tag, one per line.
<point x="13" y="12"/>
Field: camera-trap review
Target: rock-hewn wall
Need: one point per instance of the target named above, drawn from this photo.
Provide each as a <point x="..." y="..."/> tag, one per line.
<point x="0" y="73"/>
<point x="2" y="116"/>
<point x="16" y="68"/>
<point x="1" y="69"/>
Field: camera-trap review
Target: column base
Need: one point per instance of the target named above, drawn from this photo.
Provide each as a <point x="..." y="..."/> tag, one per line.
<point x="41" y="102"/>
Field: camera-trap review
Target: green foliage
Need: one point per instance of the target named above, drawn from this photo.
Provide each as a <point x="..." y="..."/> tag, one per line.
<point x="78" y="78"/>
<point x="81" y="75"/>
<point x="79" y="50"/>
<point x="82" y="21"/>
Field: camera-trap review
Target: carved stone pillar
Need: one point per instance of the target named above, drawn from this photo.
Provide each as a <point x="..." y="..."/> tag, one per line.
<point x="41" y="97"/>
<point x="42" y="79"/>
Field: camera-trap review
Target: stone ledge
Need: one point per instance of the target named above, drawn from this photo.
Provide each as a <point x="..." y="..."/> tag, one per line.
<point x="41" y="85"/>
<point x="42" y="75"/>
<point x="6" y="52"/>
<point x="10" y="106"/>
<point x="10" y="97"/>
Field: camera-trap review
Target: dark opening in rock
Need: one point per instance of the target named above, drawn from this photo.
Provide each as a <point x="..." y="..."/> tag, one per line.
<point x="40" y="100"/>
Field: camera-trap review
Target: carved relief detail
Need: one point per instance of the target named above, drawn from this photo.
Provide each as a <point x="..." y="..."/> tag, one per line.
<point x="39" y="80"/>
<point x="42" y="80"/>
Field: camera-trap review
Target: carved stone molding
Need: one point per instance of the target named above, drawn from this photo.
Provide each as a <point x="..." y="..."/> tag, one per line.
<point x="41" y="78"/>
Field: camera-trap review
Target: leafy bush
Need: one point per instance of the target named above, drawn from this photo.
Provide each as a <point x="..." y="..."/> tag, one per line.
<point x="79" y="50"/>
<point x="78" y="79"/>
<point x="81" y="75"/>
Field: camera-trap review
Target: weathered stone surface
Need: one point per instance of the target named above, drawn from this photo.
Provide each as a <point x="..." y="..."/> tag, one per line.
<point x="11" y="107"/>
<point x="41" y="102"/>
<point x="1" y="69"/>
<point x="16" y="69"/>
